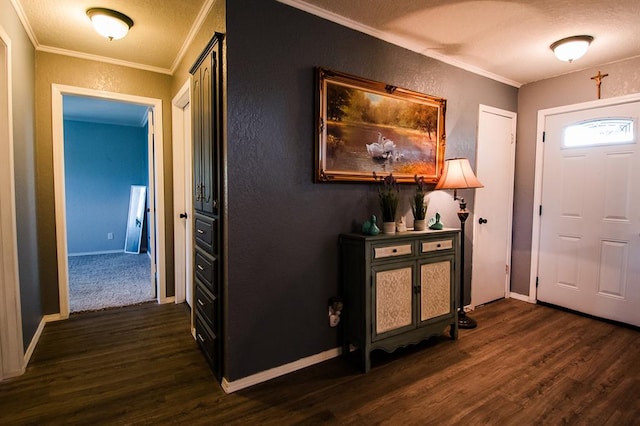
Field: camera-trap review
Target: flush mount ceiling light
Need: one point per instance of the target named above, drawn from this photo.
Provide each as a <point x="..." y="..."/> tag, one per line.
<point x="109" y="23"/>
<point x="571" y="48"/>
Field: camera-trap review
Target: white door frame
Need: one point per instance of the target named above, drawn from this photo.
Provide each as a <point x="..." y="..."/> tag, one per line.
<point x="57" y="120"/>
<point x="12" y="361"/>
<point x="537" y="193"/>
<point x="513" y="116"/>
<point x="181" y="201"/>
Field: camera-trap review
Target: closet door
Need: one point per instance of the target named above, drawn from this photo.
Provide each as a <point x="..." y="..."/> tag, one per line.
<point x="196" y="122"/>
<point x="209" y="192"/>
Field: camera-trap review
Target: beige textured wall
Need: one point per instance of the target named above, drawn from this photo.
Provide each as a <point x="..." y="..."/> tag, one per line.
<point x="50" y="69"/>
<point x="214" y="22"/>
<point x="24" y="152"/>
<point x="577" y="87"/>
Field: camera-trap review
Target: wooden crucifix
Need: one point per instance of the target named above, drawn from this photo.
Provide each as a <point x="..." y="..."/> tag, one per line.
<point x="598" y="78"/>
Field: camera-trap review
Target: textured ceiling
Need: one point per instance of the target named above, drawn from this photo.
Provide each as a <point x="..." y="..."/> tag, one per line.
<point x="82" y="108"/>
<point x="160" y="29"/>
<point x="507" y="40"/>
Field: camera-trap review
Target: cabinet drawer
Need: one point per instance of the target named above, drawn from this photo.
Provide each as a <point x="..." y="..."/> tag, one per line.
<point x="205" y="232"/>
<point x="206" y="339"/>
<point x="382" y="252"/>
<point x="205" y="268"/>
<point x="206" y="305"/>
<point x="427" y="246"/>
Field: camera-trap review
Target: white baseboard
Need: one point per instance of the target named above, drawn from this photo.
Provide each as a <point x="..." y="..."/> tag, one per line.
<point x="54" y="318"/>
<point x="34" y="342"/>
<point x="521" y="297"/>
<point x="91" y="253"/>
<point x="14" y="373"/>
<point x="170" y="299"/>
<point x="272" y="373"/>
<point x="36" y="337"/>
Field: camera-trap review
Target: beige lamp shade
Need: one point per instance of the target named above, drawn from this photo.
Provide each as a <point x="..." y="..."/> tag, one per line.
<point x="457" y="174"/>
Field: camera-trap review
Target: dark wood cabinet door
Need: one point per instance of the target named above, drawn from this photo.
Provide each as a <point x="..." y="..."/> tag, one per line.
<point x="196" y="123"/>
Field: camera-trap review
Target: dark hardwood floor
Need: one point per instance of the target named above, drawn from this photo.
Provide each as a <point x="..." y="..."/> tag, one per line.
<point x="525" y="364"/>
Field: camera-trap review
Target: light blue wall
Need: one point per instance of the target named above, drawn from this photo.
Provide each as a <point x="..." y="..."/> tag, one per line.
<point x="102" y="161"/>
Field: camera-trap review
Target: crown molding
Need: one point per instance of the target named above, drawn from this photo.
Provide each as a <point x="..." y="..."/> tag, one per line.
<point x="197" y="24"/>
<point x="396" y="40"/>
<point x="90" y="57"/>
<point x="25" y="22"/>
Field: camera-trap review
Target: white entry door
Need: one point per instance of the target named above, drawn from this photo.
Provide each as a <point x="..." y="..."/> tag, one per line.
<point x="493" y="205"/>
<point x="589" y="257"/>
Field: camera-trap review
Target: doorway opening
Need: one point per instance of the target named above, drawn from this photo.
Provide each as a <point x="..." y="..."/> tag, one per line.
<point x="587" y="193"/>
<point x="144" y="161"/>
<point x="106" y="165"/>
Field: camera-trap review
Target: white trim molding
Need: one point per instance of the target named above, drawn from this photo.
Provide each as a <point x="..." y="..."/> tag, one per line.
<point x="394" y="39"/>
<point x="521" y="297"/>
<point x="254" y="379"/>
<point x="57" y="92"/>
<point x="11" y="345"/>
<point x="195" y="28"/>
<point x="97" y="58"/>
<point x="537" y="191"/>
<point x="25" y="22"/>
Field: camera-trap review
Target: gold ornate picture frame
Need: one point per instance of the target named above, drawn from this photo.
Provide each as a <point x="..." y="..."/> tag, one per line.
<point x="365" y="126"/>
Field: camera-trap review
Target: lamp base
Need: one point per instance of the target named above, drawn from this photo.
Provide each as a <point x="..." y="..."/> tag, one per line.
<point x="466" y="322"/>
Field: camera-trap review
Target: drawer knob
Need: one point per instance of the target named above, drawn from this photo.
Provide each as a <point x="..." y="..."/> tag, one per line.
<point x="395" y="250"/>
<point x="200" y="231"/>
<point x="438" y="245"/>
<point x="200" y="267"/>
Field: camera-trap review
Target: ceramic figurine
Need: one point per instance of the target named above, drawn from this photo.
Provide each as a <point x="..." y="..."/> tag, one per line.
<point x="370" y="227"/>
<point x="401" y="226"/>
<point x="434" y="223"/>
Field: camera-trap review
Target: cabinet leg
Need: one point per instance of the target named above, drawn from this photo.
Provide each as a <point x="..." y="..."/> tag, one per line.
<point x="366" y="361"/>
<point x="453" y="331"/>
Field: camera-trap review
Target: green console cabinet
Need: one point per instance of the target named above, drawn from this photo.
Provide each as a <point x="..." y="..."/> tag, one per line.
<point x="398" y="289"/>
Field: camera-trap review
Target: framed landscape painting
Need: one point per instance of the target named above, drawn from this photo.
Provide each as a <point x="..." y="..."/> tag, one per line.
<point x="365" y="127"/>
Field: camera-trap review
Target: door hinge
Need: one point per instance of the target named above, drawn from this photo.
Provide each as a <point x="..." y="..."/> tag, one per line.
<point x="544" y="136"/>
<point x="513" y="138"/>
<point x="537" y="279"/>
<point x="506" y="269"/>
<point x="540" y="210"/>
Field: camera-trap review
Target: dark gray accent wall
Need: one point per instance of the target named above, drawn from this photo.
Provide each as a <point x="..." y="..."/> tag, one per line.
<point x="23" y="98"/>
<point x="283" y="227"/>
<point x="572" y="88"/>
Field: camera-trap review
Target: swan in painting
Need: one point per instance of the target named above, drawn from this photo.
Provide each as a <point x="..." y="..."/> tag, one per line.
<point x="388" y="145"/>
<point x="375" y="149"/>
<point x="382" y="148"/>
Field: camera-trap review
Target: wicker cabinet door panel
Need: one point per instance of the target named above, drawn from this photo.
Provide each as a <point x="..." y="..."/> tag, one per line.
<point x="393" y="299"/>
<point x="435" y="289"/>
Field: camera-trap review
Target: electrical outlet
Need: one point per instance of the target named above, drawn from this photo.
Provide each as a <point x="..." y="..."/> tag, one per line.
<point x="334" y="320"/>
<point x="109" y="235"/>
<point x="335" y="308"/>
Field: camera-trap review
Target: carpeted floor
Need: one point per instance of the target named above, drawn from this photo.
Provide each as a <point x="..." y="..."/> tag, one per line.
<point x="109" y="280"/>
